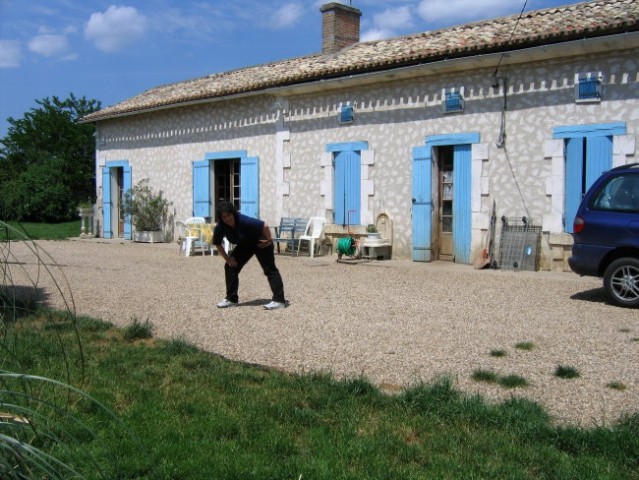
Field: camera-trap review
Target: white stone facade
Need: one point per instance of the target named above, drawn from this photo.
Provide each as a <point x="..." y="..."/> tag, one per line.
<point x="289" y="135"/>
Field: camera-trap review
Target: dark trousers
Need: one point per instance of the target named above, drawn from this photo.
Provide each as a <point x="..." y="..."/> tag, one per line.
<point x="266" y="258"/>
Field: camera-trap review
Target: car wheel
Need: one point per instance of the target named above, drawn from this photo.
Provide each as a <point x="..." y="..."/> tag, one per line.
<point x="621" y="281"/>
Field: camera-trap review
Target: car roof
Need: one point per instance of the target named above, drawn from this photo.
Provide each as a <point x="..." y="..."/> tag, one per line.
<point x="629" y="166"/>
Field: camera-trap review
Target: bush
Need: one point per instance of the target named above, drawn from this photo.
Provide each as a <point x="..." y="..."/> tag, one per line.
<point x="148" y="210"/>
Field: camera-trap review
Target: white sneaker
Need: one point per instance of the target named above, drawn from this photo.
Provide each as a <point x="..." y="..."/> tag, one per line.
<point x="273" y="305"/>
<point x="225" y="303"/>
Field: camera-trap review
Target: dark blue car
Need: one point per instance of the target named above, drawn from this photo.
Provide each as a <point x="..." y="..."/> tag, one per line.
<point x="606" y="234"/>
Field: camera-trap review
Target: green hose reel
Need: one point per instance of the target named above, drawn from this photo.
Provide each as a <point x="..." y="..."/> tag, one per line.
<point x="346" y="246"/>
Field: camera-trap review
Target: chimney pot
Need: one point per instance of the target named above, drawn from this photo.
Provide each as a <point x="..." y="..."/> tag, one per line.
<point x="340" y="26"/>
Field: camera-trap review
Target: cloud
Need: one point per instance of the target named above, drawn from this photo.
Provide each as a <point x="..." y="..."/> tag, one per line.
<point x="287" y="15"/>
<point x="376" y="34"/>
<point x="389" y="23"/>
<point x="10" y="54"/>
<point x="399" y="18"/>
<point x="460" y="11"/>
<point x="49" y="45"/>
<point x="116" y="28"/>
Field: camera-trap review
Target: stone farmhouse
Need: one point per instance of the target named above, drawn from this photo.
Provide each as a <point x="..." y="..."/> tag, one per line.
<point x="423" y="134"/>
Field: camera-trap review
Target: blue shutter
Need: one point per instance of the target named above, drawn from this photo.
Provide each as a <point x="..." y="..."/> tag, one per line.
<point x="347" y="189"/>
<point x="462" y="203"/>
<point x="346" y="114"/>
<point x="589" y="88"/>
<point x="201" y="189"/>
<point x="574" y="177"/>
<point x="453" y="102"/>
<point x="250" y="186"/>
<point x="107" y="230"/>
<point x="422" y="204"/>
<point x="127" y="184"/>
<point x="339" y="191"/>
<point x="598" y="158"/>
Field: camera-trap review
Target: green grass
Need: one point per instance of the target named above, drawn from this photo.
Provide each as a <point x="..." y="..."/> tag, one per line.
<point x="525" y="346"/>
<point x="188" y="414"/>
<point x="563" y="371"/>
<point x="39" y="231"/>
<point x="498" y="353"/>
<point x="506" y="381"/>
<point x="512" y="381"/>
<point x="487" y="376"/>
<point x="137" y="330"/>
<point x="616" y="386"/>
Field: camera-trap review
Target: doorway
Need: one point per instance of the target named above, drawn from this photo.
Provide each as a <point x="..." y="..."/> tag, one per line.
<point x="442" y="188"/>
<point x="116" y="180"/>
<point x="118" y="185"/>
<point x="445" y="210"/>
<point x="226" y="183"/>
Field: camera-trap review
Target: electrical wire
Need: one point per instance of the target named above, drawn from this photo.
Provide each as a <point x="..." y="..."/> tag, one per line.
<point x="501" y="140"/>
<point x="521" y="13"/>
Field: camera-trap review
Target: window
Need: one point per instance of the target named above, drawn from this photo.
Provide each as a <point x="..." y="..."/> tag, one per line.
<point x="588" y="87"/>
<point x="346" y="114"/>
<point x="619" y="194"/>
<point x="452" y="101"/>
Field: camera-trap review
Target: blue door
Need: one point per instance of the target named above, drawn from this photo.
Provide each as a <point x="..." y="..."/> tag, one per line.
<point x="248" y="193"/>
<point x="201" y="189"/>
<point x="347" y="189"/>
<point x="588" y="154"/>
<point x="250" y="186"/>
<point x="422" y="204"/>
<point x="586" y="159"/>
<point x="461" y="203"/>
<point x="112" y="193"/>
<point x="422" y="201"/>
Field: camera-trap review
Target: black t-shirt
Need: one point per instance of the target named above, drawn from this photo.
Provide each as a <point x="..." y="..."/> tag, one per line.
<point x="247" y="232"/>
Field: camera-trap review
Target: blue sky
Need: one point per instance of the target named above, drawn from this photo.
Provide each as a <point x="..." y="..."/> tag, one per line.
<point x="112" y="51"/>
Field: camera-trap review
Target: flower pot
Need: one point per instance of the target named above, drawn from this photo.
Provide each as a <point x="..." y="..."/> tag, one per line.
<point x="149" y="237"/>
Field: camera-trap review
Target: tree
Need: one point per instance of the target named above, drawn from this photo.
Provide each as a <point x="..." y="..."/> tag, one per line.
<point x="47" y="161"/>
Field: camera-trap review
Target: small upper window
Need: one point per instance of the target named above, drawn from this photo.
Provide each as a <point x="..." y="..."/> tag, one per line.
<point x="588" y="87"/>
<point x="346" y="114"/>
<point x="452" y="101"/>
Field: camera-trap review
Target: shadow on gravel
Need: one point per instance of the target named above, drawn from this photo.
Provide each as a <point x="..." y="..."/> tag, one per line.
<point x="254" y="303"/>
<point x="595" y="295"/>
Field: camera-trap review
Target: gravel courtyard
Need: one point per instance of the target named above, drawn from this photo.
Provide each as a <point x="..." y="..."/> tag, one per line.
<point x="396" y="323"/>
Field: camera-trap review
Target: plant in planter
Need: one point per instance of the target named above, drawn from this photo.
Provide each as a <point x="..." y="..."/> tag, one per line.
<point x="85" y="206"/>
<point x="148" y="211"/>
<point x="371" y="231"/>
<point x="85" y="212"/>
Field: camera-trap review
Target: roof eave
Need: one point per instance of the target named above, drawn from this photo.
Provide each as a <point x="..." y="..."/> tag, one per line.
<point x="539" y="49"/>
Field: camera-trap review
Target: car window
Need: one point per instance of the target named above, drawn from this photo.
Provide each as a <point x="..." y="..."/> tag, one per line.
<point x="620" y="193"/>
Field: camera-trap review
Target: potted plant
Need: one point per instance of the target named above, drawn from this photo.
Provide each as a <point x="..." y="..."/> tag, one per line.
<point x="85" y="212"/>
<point x="371" y="231"/>
<point x="85" y="208"/>
<point x="148" y="211"/>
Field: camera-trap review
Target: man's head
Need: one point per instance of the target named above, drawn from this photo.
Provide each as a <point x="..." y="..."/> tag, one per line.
<point x="227" y="213"/>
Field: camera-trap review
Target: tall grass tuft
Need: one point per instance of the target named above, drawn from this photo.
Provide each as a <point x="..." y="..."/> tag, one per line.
<point x="563" y="371"/>
<point x="138" y="330"/>
<point x="42" y="369"/>
<point x="527" y="346"/>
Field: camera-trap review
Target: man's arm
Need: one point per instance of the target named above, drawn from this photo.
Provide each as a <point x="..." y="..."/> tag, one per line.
<point x="229" y="260"/>
<point x="266" y="239"/>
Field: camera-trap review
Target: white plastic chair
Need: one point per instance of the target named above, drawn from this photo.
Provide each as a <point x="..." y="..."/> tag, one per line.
<point x="193" y="236"/>
<point x="312" y="235"/>
<point x="185" y="238"/>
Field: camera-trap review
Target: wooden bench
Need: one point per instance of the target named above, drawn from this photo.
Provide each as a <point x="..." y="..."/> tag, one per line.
<point x="288" y="232"/>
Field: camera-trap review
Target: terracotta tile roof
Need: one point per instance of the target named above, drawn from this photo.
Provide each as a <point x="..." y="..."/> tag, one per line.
<point x="552" y="25"/>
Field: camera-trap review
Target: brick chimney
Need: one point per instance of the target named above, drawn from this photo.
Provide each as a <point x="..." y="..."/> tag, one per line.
<point x="340" y="26"/>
